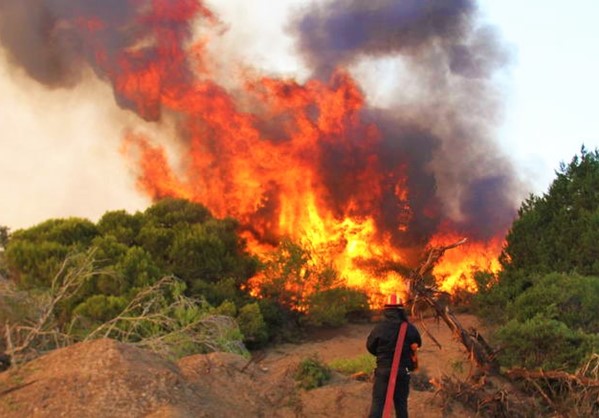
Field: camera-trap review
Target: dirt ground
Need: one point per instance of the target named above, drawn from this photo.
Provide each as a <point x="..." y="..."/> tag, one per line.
<point x="349" y="342"/>
<point x="105" y="378"/>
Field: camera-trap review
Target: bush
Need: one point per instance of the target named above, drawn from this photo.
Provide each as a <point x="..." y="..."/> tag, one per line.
<point x="252" y="325"/>
<point x="331" y="307"/>
<point x="132" y="252"/>
<point x="545" y="343"/>
<point x="312" y="373"/>
<point x="571" y="299"/>
<point x="281" y="322"/>
<point x="496" y="293"/>
<point x="99" y="309"/>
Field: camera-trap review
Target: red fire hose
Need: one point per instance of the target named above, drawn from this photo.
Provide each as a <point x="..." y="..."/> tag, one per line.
<point x="394" y="367"/>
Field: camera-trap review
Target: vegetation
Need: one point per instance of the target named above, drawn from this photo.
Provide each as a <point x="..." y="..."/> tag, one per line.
<point x="170" y="267"/>
<point x="4" y="237"/>
<point x="159" y="317"/>
<point x="300" y="280"/>
<point x="129" y="258"/>
<point x="175" y="279"/>
<point x="311" y="373"/>
<point x="546" y="298"/>
<point x="364" y="363"/>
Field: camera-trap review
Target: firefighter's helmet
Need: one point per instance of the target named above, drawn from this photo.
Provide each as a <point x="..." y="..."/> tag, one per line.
<point x="393" y="301"/>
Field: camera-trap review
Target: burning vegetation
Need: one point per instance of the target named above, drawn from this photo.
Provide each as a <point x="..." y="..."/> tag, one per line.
<point x="311" y="160"/>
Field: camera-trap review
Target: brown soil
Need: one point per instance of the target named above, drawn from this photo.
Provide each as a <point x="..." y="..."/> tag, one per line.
<point x="105" y="378"/>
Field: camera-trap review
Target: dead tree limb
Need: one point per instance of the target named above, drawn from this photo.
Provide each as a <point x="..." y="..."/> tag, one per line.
<point x="431" y="336"/>
<point x="15" y="388"/>
<point x="553" y="375"/>
<point x="420" y="291"/>
<point x="581" y="389"/>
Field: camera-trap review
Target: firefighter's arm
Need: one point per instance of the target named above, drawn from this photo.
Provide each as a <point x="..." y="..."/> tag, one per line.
<point x="372" y="343"/>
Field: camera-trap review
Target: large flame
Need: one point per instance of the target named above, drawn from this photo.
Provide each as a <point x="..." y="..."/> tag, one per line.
<point x="287" y="158"/>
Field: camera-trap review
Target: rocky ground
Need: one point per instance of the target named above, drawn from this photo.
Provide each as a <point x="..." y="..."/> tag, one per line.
<point x="105" y="378"/>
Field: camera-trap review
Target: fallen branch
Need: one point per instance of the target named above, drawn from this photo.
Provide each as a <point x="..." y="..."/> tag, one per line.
<point x="569" y="394"/>
<point x="566" y="394"/>
<point x="478" y="349"/>
<point x="486" y="399"/>
<point x="553" y="375"/>
<point x="430" y="335"/>
<point x="15" y="388"/>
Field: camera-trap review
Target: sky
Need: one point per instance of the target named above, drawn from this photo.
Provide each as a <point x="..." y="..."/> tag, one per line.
<point x="60" y="153"/>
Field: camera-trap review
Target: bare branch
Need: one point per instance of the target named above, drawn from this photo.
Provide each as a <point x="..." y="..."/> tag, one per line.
<point x="478" y="351"/>
<point x="21" y="340"/>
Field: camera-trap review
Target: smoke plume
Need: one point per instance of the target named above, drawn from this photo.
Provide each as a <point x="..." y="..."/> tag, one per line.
<point x="445" y="135"/>
<point x="285" y="156"/>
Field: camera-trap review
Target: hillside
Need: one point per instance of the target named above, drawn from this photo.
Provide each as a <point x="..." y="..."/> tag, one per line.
<point x="106" y="378"/>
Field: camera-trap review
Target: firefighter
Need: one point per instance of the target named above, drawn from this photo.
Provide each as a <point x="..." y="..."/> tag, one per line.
<point x="381" y="343"/>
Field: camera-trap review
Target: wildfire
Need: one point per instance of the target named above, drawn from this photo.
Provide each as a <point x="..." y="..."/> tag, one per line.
<point x="455" y="271"/>
<point x="288" y="159"/>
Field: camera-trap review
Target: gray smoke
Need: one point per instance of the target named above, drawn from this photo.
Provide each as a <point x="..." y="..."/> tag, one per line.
<point x="54" y="41"/>
<point x="39" y="37"/>
<point x="456" y="173"/>
<point x="440" y="145"/>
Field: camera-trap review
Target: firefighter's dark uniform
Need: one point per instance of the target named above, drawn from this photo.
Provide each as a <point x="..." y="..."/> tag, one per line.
<point x="381" y="343"/>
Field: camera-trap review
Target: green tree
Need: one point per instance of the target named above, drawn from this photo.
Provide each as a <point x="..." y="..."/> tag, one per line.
<point x="4" y="236"/>
<point x="555" y="232"/>
<point x="172" y="212"/>
<point x="35" y="254"/>
<point x="559" y="230"/>
<point x="133" y="252"/>
<point x="546" y="298"/>
<point x="33" y="264"/>
<point x="123" y="226"/>
<point x="540" y="342"/>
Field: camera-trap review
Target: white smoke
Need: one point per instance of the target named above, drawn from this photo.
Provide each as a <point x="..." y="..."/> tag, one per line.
<point x="59" y="151"/>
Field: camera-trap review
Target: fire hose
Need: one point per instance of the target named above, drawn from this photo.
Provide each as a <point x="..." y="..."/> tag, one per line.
<point x="394" y="368"/>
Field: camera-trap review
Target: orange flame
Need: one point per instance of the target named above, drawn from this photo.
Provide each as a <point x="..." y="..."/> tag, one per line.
<point x="259" y="156"/>
<point x="456" y="268"/>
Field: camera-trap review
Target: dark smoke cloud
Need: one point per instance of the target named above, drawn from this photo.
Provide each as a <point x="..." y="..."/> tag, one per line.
<point x="442" y="143"/>
<point x="344" y="30"/>
<point x="457" y="175"/>
<point x="39" y="36"/>
<point x="54" y="41"/>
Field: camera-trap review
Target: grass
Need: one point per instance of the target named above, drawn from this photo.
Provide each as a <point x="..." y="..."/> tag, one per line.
<point x="364" y="363"/>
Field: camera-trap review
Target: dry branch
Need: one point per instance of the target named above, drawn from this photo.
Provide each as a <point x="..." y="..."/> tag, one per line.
<point x="567" y="394"/>
<point x="553" y="375"/>
<point x="477" y="348"/>
<point x="150" y="321"/>
<point x="483" y="397"/>
<point x="24" y="341"/>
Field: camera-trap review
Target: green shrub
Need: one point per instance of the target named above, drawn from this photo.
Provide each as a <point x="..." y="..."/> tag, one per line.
<point x="364" y="363"/>
<point x="226" y="308"/>
<point x="252" y="325"/>
<point x="571" y="299"/>
<point x="545" y="343"/>
<point x="100" y="308"/>
<point x="217" y="292"/>
<point x="312" y="373"/>
<point x="331" y="307"/>
<point x="281" y="322"/>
